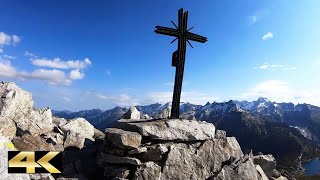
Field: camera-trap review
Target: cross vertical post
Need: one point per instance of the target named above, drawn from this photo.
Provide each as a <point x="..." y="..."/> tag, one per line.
<point x="178" y="59"/>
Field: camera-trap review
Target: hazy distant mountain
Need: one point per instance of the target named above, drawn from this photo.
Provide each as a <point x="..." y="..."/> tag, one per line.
<point x="98" y="118"/>
<point x="258" y="132"/>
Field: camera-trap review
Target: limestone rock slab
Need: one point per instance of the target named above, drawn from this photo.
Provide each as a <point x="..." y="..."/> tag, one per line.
<point x="170" y="129"/>
<point x="123" y="139"/>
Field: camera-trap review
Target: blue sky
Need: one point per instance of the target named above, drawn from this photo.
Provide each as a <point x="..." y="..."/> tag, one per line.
<point x="99" y="54"/>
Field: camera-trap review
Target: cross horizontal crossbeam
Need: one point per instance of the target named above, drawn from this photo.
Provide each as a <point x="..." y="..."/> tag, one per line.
<point x="177" y="33"/>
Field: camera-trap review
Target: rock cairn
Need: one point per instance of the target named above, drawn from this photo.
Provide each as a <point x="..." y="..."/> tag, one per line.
<point x="175" y="149"/>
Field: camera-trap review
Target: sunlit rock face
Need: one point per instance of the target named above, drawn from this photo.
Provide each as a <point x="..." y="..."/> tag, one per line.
<point x="25" y="128"/>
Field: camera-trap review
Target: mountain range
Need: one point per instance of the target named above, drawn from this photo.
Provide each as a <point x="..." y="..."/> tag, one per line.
<point x="290" y="132"/>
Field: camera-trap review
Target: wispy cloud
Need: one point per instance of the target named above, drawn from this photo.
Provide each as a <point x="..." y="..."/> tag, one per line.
<point x="1" y="50"/>
<point x="6" y="39"/>
<point x="267" y="66"/>
<point x="5" y="56"/>
<point x="61" y="64"/>
<point x="268" y="35"/>
<point x="29" y="54"/>
<point x="120" y="100"/>
<point x="258" y="16"/>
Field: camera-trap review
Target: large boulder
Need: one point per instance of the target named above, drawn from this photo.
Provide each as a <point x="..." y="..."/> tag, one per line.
<point x="123" y="139"/>
<point x="266" y="162"/>
<point x="17" y="105"/>
<point x="216" y="152"/>
<point x="170" y="129"/>
<point x="181" y="164"/>
<point x="242" y="169"/>
<point x="5" y="146"/>
<point x="132" y="113"/>
<point x="80" y="126"/>
<point x="37" y="122"/>
<point x="74" y="139"/>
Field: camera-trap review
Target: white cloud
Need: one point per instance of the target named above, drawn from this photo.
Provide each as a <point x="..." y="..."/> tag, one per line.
<point x="6" y="39"/>
<point x="188" y="96"/>
<point x="53" y="77"/>
<point x="267" y="36"/>
<point x="267" y="66"/>
<point x="76" y="74"/>
<point x="60" y="64"/>
<point x="1" y="50"/>
<point x="281" y="91"/>
<point x="6" y="70"/>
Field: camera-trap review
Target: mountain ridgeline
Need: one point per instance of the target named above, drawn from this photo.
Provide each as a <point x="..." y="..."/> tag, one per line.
<point x="290" y="132"/>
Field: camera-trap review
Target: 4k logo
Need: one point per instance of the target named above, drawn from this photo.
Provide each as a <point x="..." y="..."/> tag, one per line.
<point x="34" y="162"/>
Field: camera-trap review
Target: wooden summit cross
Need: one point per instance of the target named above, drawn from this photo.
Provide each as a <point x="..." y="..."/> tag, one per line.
<point x="178" y="57"/>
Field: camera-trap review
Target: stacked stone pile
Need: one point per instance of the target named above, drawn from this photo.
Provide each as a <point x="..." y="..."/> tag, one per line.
<point x="175" y="149"/>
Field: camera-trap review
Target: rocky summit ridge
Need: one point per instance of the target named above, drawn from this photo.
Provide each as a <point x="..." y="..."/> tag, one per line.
<point x="132" y="149"/>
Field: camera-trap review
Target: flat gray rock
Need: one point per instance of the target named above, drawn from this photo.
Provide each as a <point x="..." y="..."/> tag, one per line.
<point x="123" y="139"/>
<point x="170" y="129"/>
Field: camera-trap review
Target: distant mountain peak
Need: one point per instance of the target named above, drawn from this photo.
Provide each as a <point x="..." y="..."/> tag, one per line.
<point x="263" y="99"/>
